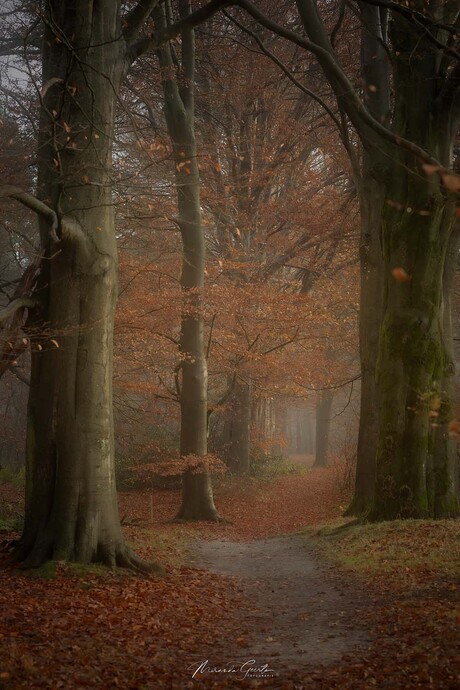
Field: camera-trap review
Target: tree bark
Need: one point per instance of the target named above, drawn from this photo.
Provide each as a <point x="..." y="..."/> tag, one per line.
<point x="323" y="427"/>
<point x="370" y="315"/>
<point x="197" y="497"/>
<point x="371" y="192"/>
<point x="443" y="484"/>
<point x="414" y="371"/>
<point x="240" y="437"/>
<point x="71" y="505"/>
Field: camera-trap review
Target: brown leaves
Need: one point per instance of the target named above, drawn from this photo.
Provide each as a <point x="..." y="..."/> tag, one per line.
<point x="400" y="275"/>
<point x="450" y="181"/>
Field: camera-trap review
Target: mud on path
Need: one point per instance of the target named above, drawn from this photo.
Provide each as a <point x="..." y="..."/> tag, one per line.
<point x="300" y="613"/>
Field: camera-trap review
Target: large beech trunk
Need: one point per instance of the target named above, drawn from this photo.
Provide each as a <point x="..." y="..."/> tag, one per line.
<point x="415" y="372"/>
<point x="370" y="314"/>
<point x="71" y="504"/>
<point x="197" y="498"/>
<point x="416" y="475"/>
<point x="371" y="192"/>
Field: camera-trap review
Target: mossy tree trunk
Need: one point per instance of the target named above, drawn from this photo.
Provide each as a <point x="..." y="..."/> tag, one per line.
<point x="178" y="86"/>
<point x="415" y="470"/>
<point x="71" y="505"/>
<point x="416" y="225"/>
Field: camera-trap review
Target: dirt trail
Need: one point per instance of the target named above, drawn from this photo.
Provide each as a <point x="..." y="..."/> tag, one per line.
<point x="301" y="614"/>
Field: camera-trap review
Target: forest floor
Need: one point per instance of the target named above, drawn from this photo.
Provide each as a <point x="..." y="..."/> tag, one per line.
<point x="324" y="603"/>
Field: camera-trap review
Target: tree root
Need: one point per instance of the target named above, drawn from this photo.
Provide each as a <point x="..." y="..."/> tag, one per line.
<point x="121" y="557"/>
<point x="213" y="517"/>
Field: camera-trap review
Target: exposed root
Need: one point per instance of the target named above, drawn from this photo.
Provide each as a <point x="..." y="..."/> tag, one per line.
<point x="185" y="516"/>
<point x="34" y="556"/>
<point x="8" y="545"/>
<point x="128" y="559"/>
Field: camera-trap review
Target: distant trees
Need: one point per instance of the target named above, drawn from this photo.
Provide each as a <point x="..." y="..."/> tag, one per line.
<point x="407" y="121"/>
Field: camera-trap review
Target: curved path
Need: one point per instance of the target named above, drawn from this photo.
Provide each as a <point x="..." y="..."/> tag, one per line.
<point x="300" y="613"/>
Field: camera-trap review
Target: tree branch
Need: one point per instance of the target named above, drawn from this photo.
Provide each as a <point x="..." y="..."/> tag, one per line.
<point x="34" y="204"/>
<point x="14" y="306"/>
<point x="411" y="13"/>
<point x="136" y="18"/>
<point x="286" y="70"/>
<point x="362" y="120"/>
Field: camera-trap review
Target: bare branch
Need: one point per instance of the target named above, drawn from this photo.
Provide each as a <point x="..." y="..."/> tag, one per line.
<point x="39" y="207"/>
<point x="411" y="13"/>
<point x="363" y="121"/>
<point x="286" y="70"/>
<point x="14" y="306"/>
<point x="136" y="18"/>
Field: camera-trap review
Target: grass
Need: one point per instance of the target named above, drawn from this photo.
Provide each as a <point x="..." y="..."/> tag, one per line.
<point x="11" y="523"/>
<point x="393" y="547"/>
<point x="15" y="477"/>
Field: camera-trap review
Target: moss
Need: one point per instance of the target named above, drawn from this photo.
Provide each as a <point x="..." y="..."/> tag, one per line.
<point x="395" y="546"/>
<point x="14" y="477"/>
<point x="47" y="571"/>
<point x="82" y="570"/>
<point x="11" y="524"/>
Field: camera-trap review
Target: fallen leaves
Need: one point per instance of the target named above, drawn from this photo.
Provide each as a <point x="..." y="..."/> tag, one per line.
<point x="96" y="628"/>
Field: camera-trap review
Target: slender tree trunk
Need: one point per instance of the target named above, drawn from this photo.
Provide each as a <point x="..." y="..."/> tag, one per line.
<point x="197" y="498"/>
<point x="71" y="503"/>
<point x="239" y="451"/>
<point x="323" y="426"/>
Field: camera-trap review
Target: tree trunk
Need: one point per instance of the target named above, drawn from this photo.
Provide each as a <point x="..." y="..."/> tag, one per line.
<point x="414" y="372"/>
<point x="370" y="314"/>
<point x="197" y="498"/>
<point x="374" y="69"/>
<point x="239" y="450"/>
<point x="443" y="484"/>
<point x="323" y="426"/>
<point x="71" y="503"/>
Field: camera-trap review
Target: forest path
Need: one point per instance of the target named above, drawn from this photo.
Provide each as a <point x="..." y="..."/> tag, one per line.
<point x="301" y="613"/>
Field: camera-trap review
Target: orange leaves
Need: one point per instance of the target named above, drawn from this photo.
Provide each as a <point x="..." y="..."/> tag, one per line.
<point x="430" y="169"/>
<point x="454" y="427"/>
<point x="450" y="181"/>
<point x="185" y="166"/>
<point x="174" y="466"/>
<point x="400" y="275"/>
